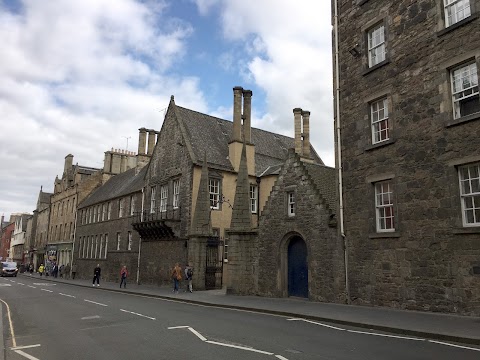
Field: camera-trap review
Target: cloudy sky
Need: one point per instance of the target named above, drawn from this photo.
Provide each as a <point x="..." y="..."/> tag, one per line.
<point x="82" y="77"/>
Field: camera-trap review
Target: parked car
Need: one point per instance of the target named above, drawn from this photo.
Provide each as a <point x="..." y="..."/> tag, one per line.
<point x="8" y="269"/>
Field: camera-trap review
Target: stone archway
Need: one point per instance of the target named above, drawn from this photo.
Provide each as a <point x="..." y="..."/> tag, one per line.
<point x="297" y="267"/>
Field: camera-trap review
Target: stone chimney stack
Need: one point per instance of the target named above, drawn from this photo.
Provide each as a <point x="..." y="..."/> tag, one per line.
<point x="68" y="163"/>
<point x="142" y="140"/>
<point x="247" y="115"/>
<point x="107" y="162"/>
<point x="306" y="134"/>
<point x="151" y="141"/>
<point x="297" y="114"/>
<point x="237" y="113"/>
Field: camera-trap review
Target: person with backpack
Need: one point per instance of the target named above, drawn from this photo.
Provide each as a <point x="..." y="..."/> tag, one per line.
<point x="123" y="277"/>
<point x="176" y="277"/>
<point x="188" y="277"/>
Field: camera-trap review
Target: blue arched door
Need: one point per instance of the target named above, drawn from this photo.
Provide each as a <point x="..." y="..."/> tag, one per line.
<point x="297" y="268"/>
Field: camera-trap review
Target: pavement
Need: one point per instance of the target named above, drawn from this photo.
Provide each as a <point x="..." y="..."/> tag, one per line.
<point x="443" y="327"/>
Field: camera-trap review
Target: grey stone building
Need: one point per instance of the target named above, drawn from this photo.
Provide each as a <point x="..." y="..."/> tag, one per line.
<point x="41" y="214"/>
<point x="409" y="124"/>
<point x="104" y="234"/>
<point x="191" y="188"/>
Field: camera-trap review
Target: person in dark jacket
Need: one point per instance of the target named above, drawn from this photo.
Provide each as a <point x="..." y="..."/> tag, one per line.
<point x="96" y="275"/>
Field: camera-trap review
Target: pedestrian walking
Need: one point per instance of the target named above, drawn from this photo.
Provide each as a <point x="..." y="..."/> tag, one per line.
<point x="96" y="275"/>
<point x="177" y="277"/>
<point x="41" y="269"/>
<point x="30" y="268"/>
<point x="67" y="271"/>
<point x="188" y="277"/>
<point x="61" y="270"/>
<point x="55" y="270"/>
<point x="123" y="277"/>
<point x="74" y="271"/>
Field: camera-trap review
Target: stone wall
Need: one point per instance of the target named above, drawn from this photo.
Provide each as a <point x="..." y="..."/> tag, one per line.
<point x="312" y="222"/>
<point x="428" y="262"/>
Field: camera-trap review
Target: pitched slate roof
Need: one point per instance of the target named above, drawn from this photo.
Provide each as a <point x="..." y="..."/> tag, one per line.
<point x="119" y="185"/>
<point x="211" y="135"/>
<point x="324" y="179"/>
<point x="44" y="197"/>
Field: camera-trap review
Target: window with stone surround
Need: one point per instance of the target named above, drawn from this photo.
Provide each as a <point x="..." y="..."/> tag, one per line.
<point x="121" y="207"/>
<point x="384" y="211"/>
<point x="100" y="255"/>
<point x="129" y="245"/>
<point x="109" y="214"/>
<point x="469" y="177"/>
<point x="80" y="244"/>
<point x="291" y="203"/>
<point x="376" y="45"/>
<point x="119" y="240"/>
<point x="104" y="211"/>
<point x="163" y="198"/>
<point x="214" y="193"/>
<point x="176" y="193"/>
<point x="152" y="199"/>
<point x="456" y="10"/>
<point x="99" y="212"/>
<point x="253" y="198"/>
<point x="132" y="204"/>
<point x="106" y="246"/>
<point x="379" y="120"/>
<point x="465" y="95"/>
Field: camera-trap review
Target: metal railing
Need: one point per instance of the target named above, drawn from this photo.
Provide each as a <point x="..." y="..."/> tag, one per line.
<point x="158" y="214"/>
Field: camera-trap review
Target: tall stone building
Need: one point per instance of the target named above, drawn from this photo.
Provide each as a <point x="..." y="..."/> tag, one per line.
<point x="104" y="234"/>
<point x="41" y="217"/>
<point x="191" y="186"/>
<point x="17" y="245"/>
<point x="7" y="233"/>
<point x="409" y="124"/>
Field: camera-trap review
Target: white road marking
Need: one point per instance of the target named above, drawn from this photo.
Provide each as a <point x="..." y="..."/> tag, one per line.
<point x="5" y="285"/>
<point x="200" y="336"/>
<point x="318" y="323"/>
<point x="239" y="347"/>
<point x="457" y="346"/>
<point x="203" y="338"/>
<point x="134" y="313"/>
<point x="66" y="295"/>
<point x="25" y="347"/>
<point x="90" y="317"/>
<point x="33" y="287"/>
<point x="178" y="327"/>
<point x="20" y="284"/>
<point x="44" y="284"/>
<point x="46" y="290"/>
<point x="93" y="302"/>
<point x="12" y="332"/>
<point x="386" y="335"/>
<point x="30" y="357"/>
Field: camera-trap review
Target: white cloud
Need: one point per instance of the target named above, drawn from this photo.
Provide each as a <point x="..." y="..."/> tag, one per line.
<point x="288" y="57"/>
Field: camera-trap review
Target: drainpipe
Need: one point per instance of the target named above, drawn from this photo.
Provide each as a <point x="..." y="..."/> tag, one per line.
<point x="140" y="242"/>
<point x="74" y="236"/>
<point x="339" y="149"/>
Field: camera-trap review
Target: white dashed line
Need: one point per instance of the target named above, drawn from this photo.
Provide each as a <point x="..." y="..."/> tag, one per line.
<point x="93" y="302"/>
<point x="239" y="347"/>
<point x="134" y="313"/>
<point x="281" y="357"/>
<point x="67" y="295"/>
<point x="20" y="284"/>
<point x="178" y="327"/>
<point x="33" y="287"/>
<point x="46" y="290"/>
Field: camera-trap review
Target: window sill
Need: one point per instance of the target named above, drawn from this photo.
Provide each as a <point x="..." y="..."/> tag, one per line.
<point x="381" y="235"/>
<point x="467" y="230"/>
<point x="463" y="119"/>
<point x="457" y="25"/>
<point x="375" y="67"/>
<point x="380" y="144"/>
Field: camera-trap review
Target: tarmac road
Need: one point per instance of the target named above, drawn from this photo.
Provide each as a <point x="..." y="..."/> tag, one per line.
<point x="58" y="321"/>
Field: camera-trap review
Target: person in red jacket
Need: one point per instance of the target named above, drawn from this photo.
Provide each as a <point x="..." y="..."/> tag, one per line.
<point x="123" y="277"/>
